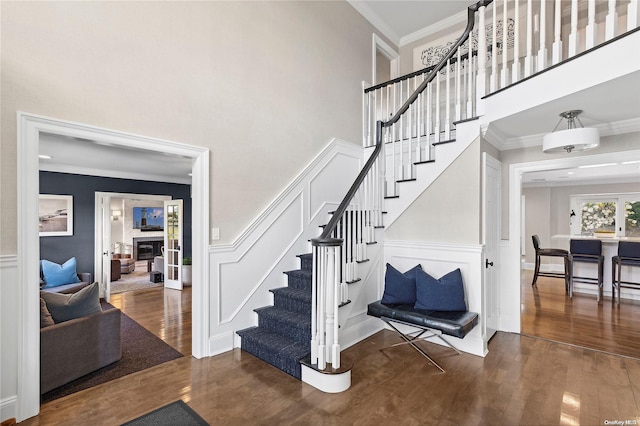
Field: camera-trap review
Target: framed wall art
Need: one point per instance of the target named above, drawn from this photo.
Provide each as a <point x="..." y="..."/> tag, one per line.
<point x="55" y="214"/>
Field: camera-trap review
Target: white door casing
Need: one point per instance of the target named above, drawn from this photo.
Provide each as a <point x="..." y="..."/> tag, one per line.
<point x="30" y="126"/>
<point x="105" y="253"/>
<point x="491" y="210"/>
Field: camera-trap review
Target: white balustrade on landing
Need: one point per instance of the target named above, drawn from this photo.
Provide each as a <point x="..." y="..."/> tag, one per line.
<point x="528" y="37"/>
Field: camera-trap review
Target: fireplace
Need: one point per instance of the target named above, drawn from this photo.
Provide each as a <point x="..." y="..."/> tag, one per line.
<point x="145" y="248"/>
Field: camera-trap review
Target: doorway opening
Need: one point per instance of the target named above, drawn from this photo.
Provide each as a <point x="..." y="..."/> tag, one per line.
<point x="519" y="296"/>
<point x="386" y="61"/>
<point x="30" y="128"/>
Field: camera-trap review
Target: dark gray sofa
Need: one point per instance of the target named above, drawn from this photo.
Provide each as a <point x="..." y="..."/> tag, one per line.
<point x="71" y="349"/>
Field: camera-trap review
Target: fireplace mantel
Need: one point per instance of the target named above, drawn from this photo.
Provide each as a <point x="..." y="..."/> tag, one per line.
<point x="155" y="244"/>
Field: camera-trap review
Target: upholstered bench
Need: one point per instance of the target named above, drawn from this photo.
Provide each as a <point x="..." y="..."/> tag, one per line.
<point x="452" y="323"/>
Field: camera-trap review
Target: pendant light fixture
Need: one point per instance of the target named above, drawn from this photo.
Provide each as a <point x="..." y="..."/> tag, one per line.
<point x="573" y="138"/>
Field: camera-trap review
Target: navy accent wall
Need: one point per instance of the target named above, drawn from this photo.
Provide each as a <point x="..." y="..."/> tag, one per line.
<point x="83" y="188"/>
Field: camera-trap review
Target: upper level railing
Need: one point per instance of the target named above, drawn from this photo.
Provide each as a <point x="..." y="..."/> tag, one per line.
<point x="343" y="242"/>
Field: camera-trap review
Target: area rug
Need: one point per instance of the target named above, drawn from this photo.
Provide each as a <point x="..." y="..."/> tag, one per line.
<point x="176" y="413"/>
<point x="136" y="280"/>
<point x="141" y="349"/>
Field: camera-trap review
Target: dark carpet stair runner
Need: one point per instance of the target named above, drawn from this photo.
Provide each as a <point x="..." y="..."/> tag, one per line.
<point x="283" y="335"/>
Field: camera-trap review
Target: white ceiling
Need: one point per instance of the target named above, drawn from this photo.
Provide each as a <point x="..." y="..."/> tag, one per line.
<point x="81" y="156"/>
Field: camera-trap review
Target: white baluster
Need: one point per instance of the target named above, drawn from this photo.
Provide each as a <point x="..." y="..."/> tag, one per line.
<point x="515" y="66"/>
<point x="401" y="140"/>
<point x="436" y="127"/>
<point x="528" y="59"/>
<point x="493" y="82"/>
<point x="611" y="27"/>
<point x="429" y="121"/>
<point x="322" y="285"/>
<point x="470" y="73"/>
<point x="314" y="305"/>
<point x="330" y="306"/>
<point x="481" y="78"/>
<point x="633" y="15"/>
<point x="591" y="37"/>
<point x="334" y="318"/>
<point x="504" y="72"/>
<point x="447" y="103"/>
<point x="556" y="50"/>
<point x="573" y="34"/>
<point x="542" y="35"/>
<point x="458" y="83"/>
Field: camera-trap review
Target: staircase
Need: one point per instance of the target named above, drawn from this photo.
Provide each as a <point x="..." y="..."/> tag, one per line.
<point x="435" y="112"/>
<point x="284" y="330"/>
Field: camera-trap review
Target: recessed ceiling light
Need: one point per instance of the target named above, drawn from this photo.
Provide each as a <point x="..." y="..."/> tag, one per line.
<point x="190" y="174"/>
<point x="570" y="173"/>
<point x="590" y="166"/>
<point x="44" y="157"/>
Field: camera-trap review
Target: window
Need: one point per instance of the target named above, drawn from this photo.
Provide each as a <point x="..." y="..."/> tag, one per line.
<point x="615" y="214"/>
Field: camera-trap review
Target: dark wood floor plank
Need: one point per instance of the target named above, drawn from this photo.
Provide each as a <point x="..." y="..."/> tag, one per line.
<point x="523" y="380"/>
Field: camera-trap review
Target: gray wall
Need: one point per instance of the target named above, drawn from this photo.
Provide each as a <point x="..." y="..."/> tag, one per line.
<point x="547" y="211"/>
<point x="81" y="244"/>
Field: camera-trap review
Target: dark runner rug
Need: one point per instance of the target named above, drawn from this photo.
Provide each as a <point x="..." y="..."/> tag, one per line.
<point x="174" y="414"/>
<point x="141" y="349"/>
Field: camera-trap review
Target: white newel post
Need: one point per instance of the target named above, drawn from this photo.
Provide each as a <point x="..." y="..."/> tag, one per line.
<point x="330" y="303"/>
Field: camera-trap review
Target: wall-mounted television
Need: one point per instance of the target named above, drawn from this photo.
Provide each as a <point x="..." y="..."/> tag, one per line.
<point x="148" y="218"/>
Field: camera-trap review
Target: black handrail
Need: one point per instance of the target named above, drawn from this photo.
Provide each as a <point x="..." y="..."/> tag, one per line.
<point x="325" y="239"/>
<point x="420" y="72"/>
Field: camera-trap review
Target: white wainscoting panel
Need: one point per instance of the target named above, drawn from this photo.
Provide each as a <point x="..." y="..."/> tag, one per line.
<point x="439" y="259"/>
<point x="243" y="272"/>
<point x="9" y="295"/>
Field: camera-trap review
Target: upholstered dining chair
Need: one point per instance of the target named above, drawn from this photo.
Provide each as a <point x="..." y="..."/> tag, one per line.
<point x="552" y="252"/>
<point x="586" y="251"/>
<point x="628" y="255"/>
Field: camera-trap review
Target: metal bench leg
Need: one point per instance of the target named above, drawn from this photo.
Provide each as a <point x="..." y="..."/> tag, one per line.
<point x="416" y="347"/>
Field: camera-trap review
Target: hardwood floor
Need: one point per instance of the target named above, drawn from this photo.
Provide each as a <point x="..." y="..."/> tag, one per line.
<point x="548" y="312"/>
<point x="522" y="380"/>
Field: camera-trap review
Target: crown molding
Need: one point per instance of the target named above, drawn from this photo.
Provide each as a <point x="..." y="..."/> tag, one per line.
<point x="496" y="138"/>
<point x="444" y="24"/>
<point x="89" y="171"/>
<point x="375" y="20"/>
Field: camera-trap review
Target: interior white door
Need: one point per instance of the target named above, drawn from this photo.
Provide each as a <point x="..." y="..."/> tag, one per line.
<point x="173" y="244"/>
<point x="104" y="273"/>
<point x="491" y="233"/>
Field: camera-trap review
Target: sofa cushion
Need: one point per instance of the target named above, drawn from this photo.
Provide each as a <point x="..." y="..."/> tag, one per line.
<point x="45" y="316"/>
<point x="55" y="274"/>
<point x="64" y="307"/>
<point x="400" y="287"/>
<point x="445" y="294"/>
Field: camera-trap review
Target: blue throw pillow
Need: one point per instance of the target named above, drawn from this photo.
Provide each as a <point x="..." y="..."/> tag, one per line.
<point x="445" y="294"/>
<point x="400" y="288"/>
<point x="56" y="275"/>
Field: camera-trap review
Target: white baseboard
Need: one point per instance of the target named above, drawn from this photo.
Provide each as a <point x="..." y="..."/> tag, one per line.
<point x="8" y="407"/>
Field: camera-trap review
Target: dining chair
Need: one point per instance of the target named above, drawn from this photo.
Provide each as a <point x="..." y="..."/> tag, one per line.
<point x="552" y="252"/>
<point x="586" y="251"/>
<point x="628" y="255"/>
